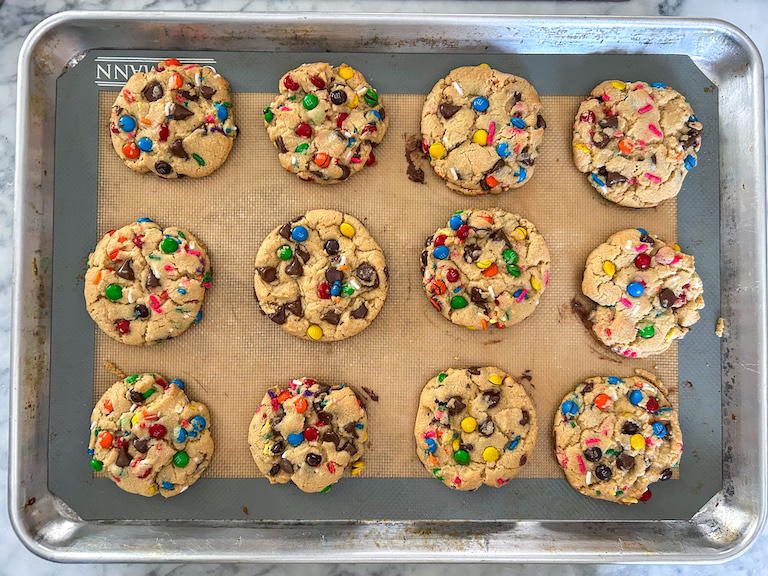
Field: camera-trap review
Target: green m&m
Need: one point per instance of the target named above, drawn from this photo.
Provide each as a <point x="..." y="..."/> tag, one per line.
<point x="180" y="459"/>
<point x="309" y="101"/>
<point x="114" y="292"/>
<point x="285" y="252"/>
<point x="169" y="245"/>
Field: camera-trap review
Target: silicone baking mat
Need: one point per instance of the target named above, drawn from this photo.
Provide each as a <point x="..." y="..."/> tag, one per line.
<point x="236" y="353"/>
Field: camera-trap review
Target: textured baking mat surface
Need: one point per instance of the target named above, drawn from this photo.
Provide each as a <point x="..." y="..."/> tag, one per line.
<point x="235" y="353"/>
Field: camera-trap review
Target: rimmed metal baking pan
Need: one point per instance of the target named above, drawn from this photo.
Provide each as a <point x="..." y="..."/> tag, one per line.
<point x="722" y="528"/>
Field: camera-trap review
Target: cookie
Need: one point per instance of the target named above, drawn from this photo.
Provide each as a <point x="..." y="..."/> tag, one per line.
<point x="308" y="433"/>
<point x="321" y="276"/>
<point x="482" y="130"/>
<point x="615" y="436"/>
<point x="647" y="291"/>
<point x="486" y="267"/>
<point x="149" y="437"/>
<point x="145" y="284"/>
<point x="636" y="141"/>
<point x="174" y="121"/>
<point x="325" y="122"/>
<point x="475" y="426"/>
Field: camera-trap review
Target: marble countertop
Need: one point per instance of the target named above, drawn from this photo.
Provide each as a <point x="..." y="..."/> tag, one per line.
<point x="18" y="17"/>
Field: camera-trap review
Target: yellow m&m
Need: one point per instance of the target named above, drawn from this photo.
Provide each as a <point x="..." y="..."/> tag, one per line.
<point x="618" y="85"/>
<point x="609" y="268"/>
<point x="520" y="233"/>
<point x="480" y="137"/>
<point x="468" y="424"/>
<point x="535" y="284"/>
<point x="437" y="150"/>
<point x="490" y="454"/>
<point x="346" y="72"/>
<point x="637" y="441"/>
<point x="347" y="229"/>
<point x="495" y="379"/>
<point x="315" y="332"/>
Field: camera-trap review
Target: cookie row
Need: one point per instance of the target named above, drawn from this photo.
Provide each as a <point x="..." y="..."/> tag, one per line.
<point x="612" y="436"/>
<point x="481" y="129"/>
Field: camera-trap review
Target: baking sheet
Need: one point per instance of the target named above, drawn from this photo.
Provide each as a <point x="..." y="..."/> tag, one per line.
<point x="409" y="342"/>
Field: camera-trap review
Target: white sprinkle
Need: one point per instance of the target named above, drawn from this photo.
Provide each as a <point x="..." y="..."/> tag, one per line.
<point x="130" y="296"/>
<point x="179" y="409"/>
<point x="183" y="489"/>
<point x="445" y="139"/>
<point x="362" y="90"/>
<point x="294" y="161"/>
<point x="454" y="173"/>
<point x="217" y="75"/>
<point x="168" y="108"/>
<point x="342" y="261"/>
<point x="170" y="330"/>
<point x="93" y="425"/>
<point x="354" y="284"/>
<point x="649" y="389"/>
<point x="133" y="407"/>
<point x="613" y="394"/>
<point x="297" y="382"/>
<point x="198" y="79"/>
<point x="347" y="133"/>
<point x="143" y="462"/>
<point x="589" y="478"/>
<point x="347" y="156"/>
<point x="458" y="88"/>
<point x="490" y="290"/>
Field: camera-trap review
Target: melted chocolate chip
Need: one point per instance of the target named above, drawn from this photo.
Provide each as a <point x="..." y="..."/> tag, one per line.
<point x="523" y="459"/>
<point x="141" y="311"/>
<point x="181" y="113"/>
<point x="603" y="472"/>
<point x="163" y="168"/>
<point x="313" y="459"/>
<point x="666" y="474"/>
<point x="476" y="295"/>
<point x="455" y="405"/>
<point x="141" y="445"/>
<point x="333" y="275"/>
<point x="601" y="140"/>
<point x="499" y="236"/>
<point x="500" y="163"/>
<point x="448" y="110"/>
<point x="267" y="273"/>
<point x="285" y="231"/>
<point x="277" y="447"/>
<point x="625" y="462"/>
<point x="540" y="122"/>
<point x="525" y="418"/>
<point x="484" y="185"/>
<point x="301" y="253"/>
<point x="486" y="427"/>
<point x="613" y="178"/>
<point x="587" y="388"/>
<point x="609" y="122"/>
<point x="667" y="298"/>
<point x="517" y="97"/>
<point x="187" y="95"/>
<point x="338" y="97"/>
<point x="653" y="158"/>
<point x="152" y="280"/>
<point x="207" y="92"/>
<point x="331" y="437"/>
<point x="324" y="417"/>
<point x="629" y="427"/>
<point x="177" y="149"/>
<point x="275" y="470"/>
<point x="125" y="270"/>
<point x="474" y="371"/>
<point x="294" y="267"/>
<point x="331" y="247"/>
<point x="468" y="447"/>
<point x="367" y="274"/>
<point x="345" y="171"/>
<point x="280" y="145"/>
<point x="349" y="448"/>
<point x="423" y="258"/>
<point x="360" y="312"/>
<point x="123" y="458"/>
<point x="382" y="113"/>
<point x="322" y="388"/>
<point x="472" y="252"/>
<point x="135" y="396"/>
<point x="295" y="308"/>
<point x="593" y="454"/>
<point x="349" y="428"/>
<point x="332" y="317"/>
<point x="491" y="397"/>
<point x="278" y="316"/>
<point x="286" y="466"/>
<point x="153" y="91"/>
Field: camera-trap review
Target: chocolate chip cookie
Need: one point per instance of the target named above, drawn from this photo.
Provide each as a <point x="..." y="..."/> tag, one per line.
<point x="616" y="436"/>
<point x="174" y="121"/>
<point x="636" y="141"/>
<point x="647" y="291"/>
<point x="485" y="268"/>
<point x="321" y="276"/>
<point x="308" y="433"/>
<point x="482" y="129"/>
<point x="145" y="284"/>
<point x="326" y="122"/>
<point x="475" y="426"/>
<point x="149" y="436"/>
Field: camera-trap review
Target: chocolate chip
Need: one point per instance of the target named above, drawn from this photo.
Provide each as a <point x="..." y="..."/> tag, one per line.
<point x="278" y="316"/>
<point x="653" y="158"/>
<point x="349" y="448"/>
<point x="181" y="113"/>
<point x="625" y="462"/>
<point x="366" y="273"/>
<point x="318" y="174"/>
<point x="540" y="122"/>
<point x="484" y="185"/>
<point x="333" y="275"/>
<point x="466" y="447"/>
<point x="277" y="447"/>
<point x="500" y="163"/>
<point x="455" y="405"/>
<point x="153" y="91"/>
<point x="280" y="145"/>
<point x="275" y="470"/>
<point x="382" y="114"/>
<point x="267" y="273"/>
<point x="324" y="417"/>
<point x="629" y="427"/>
<point x="593" y="454"/>
<point x="207" y="92"/>
<point x="491" y="397"/>
<point x="338" y="97"/>
<point x="472" y="252"/>
<point x="486" y="427"/>
<point x="688" y="141"/>
<point x="177" y="149"/>
<point x="301" y="253"/>
<point x="141" y="311"/>
<point x="294" y="267"/>
<point x="187" y="95"/>
<point x="345" y="171"/>
<point x="360" y="312"/>
<point x="603" y="472"/>
<point x="163" y="168"/>
<point x="331" y="247"/>
<point x="645" y="238"/>
<point x="499" y="236"/>
<point x="666" y="474"/>
<point x="476" y="295"/>
<point x="601" y="140"/>
<point x="285" y="231"/>
<point x="286" y="466"/>
<point x="331" y="317"/>
<point x="331" y="437"/>
<point x="667" y="298"/>
<point x="322" y="388"/>
<point x="125" y="270"/>
<point x="609" y="122"/>
<point x="525" y="418"/>
<point x="123" y="458"/>
<point x="386" y="272"/>
<point x="295" y="308"/>
<point x="587" y="388"/>
<point x="474" y="371"/>
<point x="448" y="110"/>
<point x="523" y="460"/>
<point x="423" y="257"/>
<point x="613" y="178"/>
<point x="141" y="445"/>
<point x="517" y="96"/>
<point x="135" y="396"/>
<point x="349" y="428"/>
<point x="313" y="459"/>
<point x="152" y="280"/>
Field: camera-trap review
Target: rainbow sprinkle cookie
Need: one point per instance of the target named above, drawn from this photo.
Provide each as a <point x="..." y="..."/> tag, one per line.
<point x="326" y="122"/>
<point x="308" y="433"/>
<point x="647" y="291"/>
<point x="616" y="436"/>
<point x="475" y="426"/>
<point x="482" y="130"/>
<point x="145" y="284"/>
<point x="175" y="120"/>
<point x="636" y="141"/>
<point x="485" y="268"/>
<point x="149" y="437"/>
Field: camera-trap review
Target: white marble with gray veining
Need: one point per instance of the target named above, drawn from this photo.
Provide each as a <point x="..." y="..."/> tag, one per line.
<point x="17" y="17"/>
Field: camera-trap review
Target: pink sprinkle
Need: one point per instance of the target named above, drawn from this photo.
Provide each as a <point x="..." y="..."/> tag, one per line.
<point x="285" y="109"/>
<point x="626" y="302"/>
<point x="581" y="464"/>
<point x="155" y="304"/>
<point x="457" y="480"/>
<point x="546" y="277"/>
<point x="209" y="119"/>
<point x="655" y="130"/>
<point x="259" y="409"/>
<point x="355" y="160"/>
<point x="522" y="295"/>
<point x="206" y="285"/>
<point x="675" y="259"/>
<point x="193" y="252"/>
<point x="649" y="441"/>
<point x="645" y="109"/>
<point x="638" y="85"/>
<point x="439" y="414"/>
<point x="633" y="355"/>
<point x="293" y="386"/>
<point x="563" y="459"/>
<point x="626" y="352"/>
<point x="652" y="178"/>
<point x="274" y="404"/>
<point x="500" y="481"/>
<point x="170" y="269"/>
<point x="491" y="133"/>
<point x="189" y="67"/>
<point x="592" y="441"/>
<point x="640" y="247"/>
<point x="429" y="434"/>
<point x="606" y="98"/>
<point x="618" y="134"/>
<point x="604" y="431"/>
<point x="517" y="130"/>
<point x="159" y="446"/>
<point x="641" y="143"/>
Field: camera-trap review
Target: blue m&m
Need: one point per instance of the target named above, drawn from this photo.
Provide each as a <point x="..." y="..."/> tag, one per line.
<point x="635" y="289"/>
<point x="299" y="234"/>
<point x="178" y="383"/>
<point x="127" y="124"/>
<point x="441" y="252"/>
<point x="221" y="111"/>
<point x="690" y="161"/>
<point x="295" y="439"/>
<point x="635" y="397"/>
<point x="659" y="429"/>
<point x="455" y="222"/>
<point x="480" y="104"/>
<point x="518" y="122"/>
<point x="144" y="144"/>
<point x="198" y="423"/>
<point x="569" y="407"/>
<point x="144" y="220"/>
<point x="502" y="149"/>
<point x="431" y="445"/>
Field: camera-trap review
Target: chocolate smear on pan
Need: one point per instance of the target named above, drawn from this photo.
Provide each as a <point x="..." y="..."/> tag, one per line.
<point x="417" y="159"/>
<point x="371" y="394"/>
